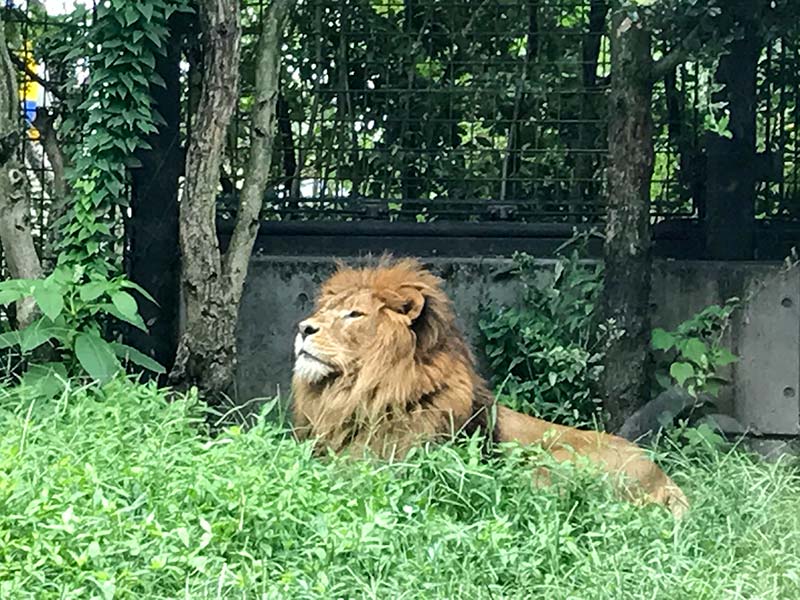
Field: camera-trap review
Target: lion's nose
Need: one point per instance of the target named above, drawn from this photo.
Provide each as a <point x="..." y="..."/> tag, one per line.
<point x="307" y="328"/>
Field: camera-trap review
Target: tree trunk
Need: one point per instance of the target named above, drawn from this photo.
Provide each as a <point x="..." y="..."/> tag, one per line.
<point x="205" y="350"/>
<point x="626" y="291"/>
<point x="15" y="209"/>
<point x="44" y="124"/>
<point x="153" y="259"/>
<point x="212" y="284"/>
<point x="732" y="164"/>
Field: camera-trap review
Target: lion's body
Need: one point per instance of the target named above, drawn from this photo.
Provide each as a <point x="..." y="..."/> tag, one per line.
<point x="382" y="366"/>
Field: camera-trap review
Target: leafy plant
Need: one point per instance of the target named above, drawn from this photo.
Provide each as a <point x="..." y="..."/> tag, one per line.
<point x="698" y="441"/>
<point x="546" y="354"/>
<point x="692" y="355"/>
<point x="67" y="338"/>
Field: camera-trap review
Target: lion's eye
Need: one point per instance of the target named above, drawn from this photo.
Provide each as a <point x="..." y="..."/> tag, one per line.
<point x="353" y="314"/>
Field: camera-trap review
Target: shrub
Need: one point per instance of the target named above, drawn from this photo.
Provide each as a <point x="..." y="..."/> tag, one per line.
<point x="546" y="355"/>
<point x="692" y="355"/>
<point x="73" y="309"/>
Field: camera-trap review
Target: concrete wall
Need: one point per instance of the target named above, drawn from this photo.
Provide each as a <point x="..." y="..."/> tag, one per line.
<point x="766" y="335"/>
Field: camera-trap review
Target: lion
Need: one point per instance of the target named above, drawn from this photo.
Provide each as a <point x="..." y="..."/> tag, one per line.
<point x="381" y="366"/>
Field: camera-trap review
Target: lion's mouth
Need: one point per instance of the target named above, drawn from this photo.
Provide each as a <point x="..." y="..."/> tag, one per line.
<point x="312" y="368"/>
<point x="307" y="354"/>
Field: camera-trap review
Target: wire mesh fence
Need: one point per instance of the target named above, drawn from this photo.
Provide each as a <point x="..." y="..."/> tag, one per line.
<point x="450" y="110"/>
<point x="778" y="134"/>
<point x="473" y="110"/>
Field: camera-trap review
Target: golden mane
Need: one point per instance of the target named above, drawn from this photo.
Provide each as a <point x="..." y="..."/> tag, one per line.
<point x="382" y="366"/>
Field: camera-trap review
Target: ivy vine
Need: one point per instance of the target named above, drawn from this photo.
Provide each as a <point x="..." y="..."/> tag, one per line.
<point x="115" y="118"/>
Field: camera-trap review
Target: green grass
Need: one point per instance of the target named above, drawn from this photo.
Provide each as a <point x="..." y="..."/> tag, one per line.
<point x="120" y="494"/>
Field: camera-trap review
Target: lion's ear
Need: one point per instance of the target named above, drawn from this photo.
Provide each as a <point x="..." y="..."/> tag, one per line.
<point x="406" y="300"/>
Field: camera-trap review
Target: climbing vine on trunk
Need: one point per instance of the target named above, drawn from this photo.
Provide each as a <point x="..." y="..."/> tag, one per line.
<point x="125" y="39"/>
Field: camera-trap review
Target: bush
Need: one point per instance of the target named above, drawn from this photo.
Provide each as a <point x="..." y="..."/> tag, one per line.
<point x="546" y="355"/>
<point x="693" y="354"/>
<point x="118" y="493"/>
<point x="73" y="308"/>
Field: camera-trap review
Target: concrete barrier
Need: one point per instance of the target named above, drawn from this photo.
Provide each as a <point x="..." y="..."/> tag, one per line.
<point x="764" y="395"/>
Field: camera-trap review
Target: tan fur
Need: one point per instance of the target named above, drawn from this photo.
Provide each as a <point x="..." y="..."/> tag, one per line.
<point x="382" y="366"/>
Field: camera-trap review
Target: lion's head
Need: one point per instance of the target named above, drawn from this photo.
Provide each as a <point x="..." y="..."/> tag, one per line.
<point x="391" y="313"/>
<point x="382" y="355"/>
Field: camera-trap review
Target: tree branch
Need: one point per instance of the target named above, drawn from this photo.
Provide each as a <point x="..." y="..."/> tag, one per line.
<point x="673" y="59"/>
<point x="262" y="136"/>
<point x="22" y="66"/>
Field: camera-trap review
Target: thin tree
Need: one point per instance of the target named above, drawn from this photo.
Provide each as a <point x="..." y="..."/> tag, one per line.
<point x="16" y="234"/>
<point x="212" y="282"/>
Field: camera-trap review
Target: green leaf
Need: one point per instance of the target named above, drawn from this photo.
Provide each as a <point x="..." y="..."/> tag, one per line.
<point x="94" y="549"/>
<point x="9" y="296"/>
<point x="695" y="350"/>
<point x="130" y="16"/>
<point x="146" y="10"/>
<point x="661" y="339"/>
<point x="140" y="289"/>
<point x="664" y="381"/>
<point x="50" y="377"/>
<point x="134" y="320"/>
<point x="96" y="356"/>
<point x="93" y="290"/>
<point x="183" y="535"/>
<point x="12" y="290"/>
<point x="36" y="334"/>
<point x="125" y="304"/>
<point x="49" y="299"/>
<point x="18" y="284"/>
<point x="10" y="338"/>
<point x="725" y="357"/>
<point x="681" y="371"/>
<point x="712" y="387"/>
<point x="139" y="358"/>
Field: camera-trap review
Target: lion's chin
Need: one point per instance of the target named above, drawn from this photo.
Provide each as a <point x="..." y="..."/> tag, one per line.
<point x="311" y="370"/>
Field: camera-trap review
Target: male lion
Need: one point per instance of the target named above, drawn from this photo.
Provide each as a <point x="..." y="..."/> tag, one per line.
<point x="381" y="365"/>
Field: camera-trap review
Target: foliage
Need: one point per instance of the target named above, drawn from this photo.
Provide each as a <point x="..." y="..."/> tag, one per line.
<point x="697" y="441"/>
<point x="124" y="41"/>
<point x="468" y="102"/>
<point x="692" y="355"/>
<point x="119" y="50"/>
<point x="119" y="493"/>
<point x="72" y="303"/>
<point x="546" y="354"/>
<point x="500" y="101"/>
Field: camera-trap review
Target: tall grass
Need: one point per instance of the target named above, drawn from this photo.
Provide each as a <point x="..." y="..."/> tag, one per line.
<point x="120" y="494"/>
